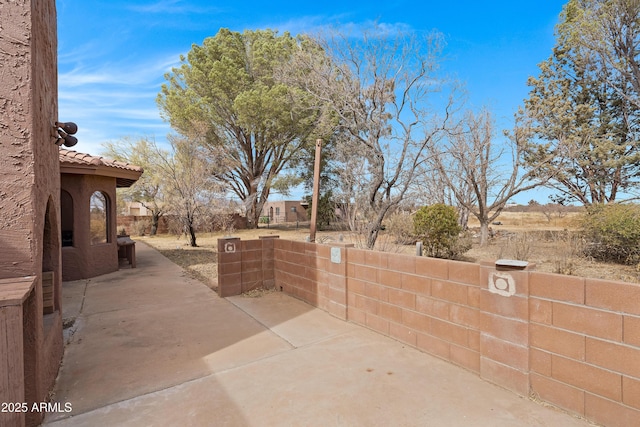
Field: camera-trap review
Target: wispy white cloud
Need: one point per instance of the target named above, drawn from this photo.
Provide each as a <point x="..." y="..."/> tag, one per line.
<point x="319" y="24"/>
<point x="124" y="72"/>
<point x="98" y="125"/>
<point x="172" y="7"/>
<point x="114" y="99"/>
<point x="70" y="53"/>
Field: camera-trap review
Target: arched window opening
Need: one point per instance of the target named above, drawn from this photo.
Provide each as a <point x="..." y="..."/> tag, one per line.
<point x="99" y="218"/>
<point x="50" y="253"/>
<point x="66" y="220"/>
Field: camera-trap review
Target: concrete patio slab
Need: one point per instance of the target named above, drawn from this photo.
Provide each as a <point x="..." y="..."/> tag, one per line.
<point x="153" y="347"/>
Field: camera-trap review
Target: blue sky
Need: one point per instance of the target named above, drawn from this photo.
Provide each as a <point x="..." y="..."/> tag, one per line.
<point x="113" y="54"/>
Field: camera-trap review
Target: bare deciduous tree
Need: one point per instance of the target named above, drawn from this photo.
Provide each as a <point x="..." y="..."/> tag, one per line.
<point x="433" y="187"/>
<point x="191" y="189"/>
<point x="149" y="190"/>
<point x="377" y="86"/>
<point x="470" y="160"/>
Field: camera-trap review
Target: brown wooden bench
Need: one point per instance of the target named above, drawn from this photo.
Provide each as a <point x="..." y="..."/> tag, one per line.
<point x="127" y="249"/>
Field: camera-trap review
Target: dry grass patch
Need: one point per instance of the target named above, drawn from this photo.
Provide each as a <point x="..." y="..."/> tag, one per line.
<point x="201" y="263"/>
<point x="552" y="249"/>
<point x="526" y="221"/>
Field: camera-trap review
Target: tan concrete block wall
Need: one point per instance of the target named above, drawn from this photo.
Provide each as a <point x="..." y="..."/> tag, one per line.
<point x="229" y="267"/>
<point x="245" y="265"/>
<point x="570" y="341"/>
<point x="585" y="353"/>
<point x="290" y="263"/>
<point x="297" y="272"/>
<point x="414" y="301"/>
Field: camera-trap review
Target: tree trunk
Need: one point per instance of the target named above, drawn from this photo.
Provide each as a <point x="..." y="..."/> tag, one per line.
<point x="253" y="217"/>
<point x="192" y="236"/>
<point x="155" y="218"/>
<point x="372" y="236"/>
<point x="463" y="218"/>
<point x="254" y="211"/>
<point x="484" y="233"/>
<point x="257" y="213"/>
<point x="252" y="221"/>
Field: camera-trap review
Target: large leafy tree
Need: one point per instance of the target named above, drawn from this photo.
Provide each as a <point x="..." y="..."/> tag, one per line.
<point x="582" y="119"/>
<point x="610" y="29"/>
<point x="225" y="97"/>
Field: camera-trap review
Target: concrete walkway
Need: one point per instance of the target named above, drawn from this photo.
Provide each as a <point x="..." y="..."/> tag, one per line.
<point x="151" y="347"/>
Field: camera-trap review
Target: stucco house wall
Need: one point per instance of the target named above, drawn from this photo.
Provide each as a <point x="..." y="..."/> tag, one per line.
<point x="29" y="203"/>
<point x="84" y="260"/>
<point x="81" y="176"/>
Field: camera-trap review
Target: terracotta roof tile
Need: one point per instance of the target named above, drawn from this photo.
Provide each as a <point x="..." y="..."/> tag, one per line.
<point x="74" y="157"/>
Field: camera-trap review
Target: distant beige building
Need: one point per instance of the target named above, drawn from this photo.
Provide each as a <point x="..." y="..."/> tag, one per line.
<point x="285" y="211"/>
<point x="136" y="209"/>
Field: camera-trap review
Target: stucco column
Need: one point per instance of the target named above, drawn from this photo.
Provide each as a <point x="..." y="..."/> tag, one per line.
<point x="30" y="181"/>
<point x="229" y="267"/>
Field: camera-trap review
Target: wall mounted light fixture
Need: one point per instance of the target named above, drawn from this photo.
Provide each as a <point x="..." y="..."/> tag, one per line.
<point x="62" y="132"/>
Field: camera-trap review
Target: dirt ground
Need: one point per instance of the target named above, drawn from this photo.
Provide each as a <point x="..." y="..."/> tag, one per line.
<point x="528" y="236"/>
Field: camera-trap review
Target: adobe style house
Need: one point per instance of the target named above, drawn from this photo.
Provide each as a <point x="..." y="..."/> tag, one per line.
<point x="135" y="209"/>
<point x="88" y="212"/>
<point x="30" y="259"/>
<point x="43" y="224"/>
<point x="285" y="211"/>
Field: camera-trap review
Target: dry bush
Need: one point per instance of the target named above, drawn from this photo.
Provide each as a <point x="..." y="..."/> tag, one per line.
<point x="358" y="239"/>
<point x="223" y="222"/>
<point x="613" y="233"/>
<point x="140" y="227"/>
<point x="388" y="242"/>
<point x="174" y="225"/>
<point x="400" y="227"/>
<point x="518" y="246"/>
<point x="569" y="247"/>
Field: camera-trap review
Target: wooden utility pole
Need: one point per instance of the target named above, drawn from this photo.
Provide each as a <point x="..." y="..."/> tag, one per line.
<point x="316" y="191"/>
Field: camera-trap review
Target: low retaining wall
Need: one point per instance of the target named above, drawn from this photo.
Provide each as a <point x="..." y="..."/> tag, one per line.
<point x="571" y="341"/>
<point x="31" y="349"/>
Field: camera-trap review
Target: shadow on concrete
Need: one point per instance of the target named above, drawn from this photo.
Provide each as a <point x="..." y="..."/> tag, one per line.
<point x="139" y="331"/>
<point x="153" y="347"/>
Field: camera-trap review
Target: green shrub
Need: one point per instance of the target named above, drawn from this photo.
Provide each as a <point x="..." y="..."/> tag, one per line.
<point x="612" y="232"/>
<point x="438" y="229"/>
<point x="264" y="219"/>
